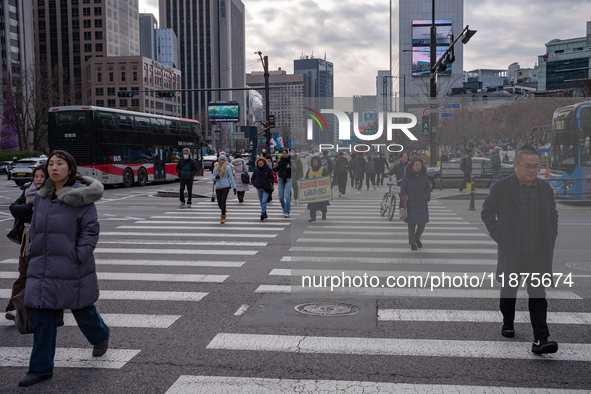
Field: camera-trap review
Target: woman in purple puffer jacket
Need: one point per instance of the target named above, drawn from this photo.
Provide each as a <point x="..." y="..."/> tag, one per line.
<point x="62" y="274"/>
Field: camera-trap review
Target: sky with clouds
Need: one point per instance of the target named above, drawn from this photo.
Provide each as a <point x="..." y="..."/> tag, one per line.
<point x="355" y="34"/>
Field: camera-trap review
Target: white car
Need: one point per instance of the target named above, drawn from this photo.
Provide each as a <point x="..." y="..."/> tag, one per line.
<point x="22" y="172"/>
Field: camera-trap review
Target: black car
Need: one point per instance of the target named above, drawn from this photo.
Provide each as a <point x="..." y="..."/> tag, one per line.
<point x="455" y="178"/>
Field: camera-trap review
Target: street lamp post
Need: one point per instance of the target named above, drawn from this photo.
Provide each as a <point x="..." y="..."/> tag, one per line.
<point x="265" y="61"/>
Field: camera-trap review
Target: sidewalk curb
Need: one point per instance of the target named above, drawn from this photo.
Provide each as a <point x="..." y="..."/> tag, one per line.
<point x="166" y="193"/>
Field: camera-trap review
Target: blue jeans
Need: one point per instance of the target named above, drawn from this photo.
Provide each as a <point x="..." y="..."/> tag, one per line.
<point x="44" y="337"/>
<point x="263" y="195"/>
<point x="496" y="173"/>
<point x="285" y="194"/>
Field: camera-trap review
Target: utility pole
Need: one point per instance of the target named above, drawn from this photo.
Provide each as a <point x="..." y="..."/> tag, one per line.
<point x="433" y="90"/>
<point x="265" y="61"/>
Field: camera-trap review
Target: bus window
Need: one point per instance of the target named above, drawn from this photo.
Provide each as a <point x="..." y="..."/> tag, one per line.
<point x="184" y="128"/>
<point x="172" y="126"/>
<point x="585" y="156"/>
<point x="196" y="129"/>
<point x="142" y="124"/>
<point x="158" y="125"/>
<point x="125" y="122"/>
<point x="106" y="120"/>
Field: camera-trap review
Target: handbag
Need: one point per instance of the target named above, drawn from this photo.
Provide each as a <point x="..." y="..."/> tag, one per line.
<point x="25" y="316"/>
<point x="16" y="234"/>
<point x="403" y="213"/>
<point x="274" y="177"/>
<point x="245" y="178"/>
<point x="213" y="193"/>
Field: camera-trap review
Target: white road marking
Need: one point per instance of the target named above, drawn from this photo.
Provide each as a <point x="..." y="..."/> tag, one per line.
<point x="194" y="243"/>
<point x="187" y="384"/>
<point x="192" y="235"/>
<point x="176" y="251"/>
<point x="478" y="316"/>
<point x="353" y="241"/>
<point x="121" y="320"/>
<point x="390" y="260"/>
<point x="241" y="310"/>
<point x="389" y="234"/>
<point x="138" y="295"/>
<point x="407" y="292"/>
<point x="224" y="227"/>
<point x="172" y="263"/>
<point x="388" y="250"/>
<point x="507" y="350"/>
<point x="69" y="357"/>
<point x="391" y="225"/>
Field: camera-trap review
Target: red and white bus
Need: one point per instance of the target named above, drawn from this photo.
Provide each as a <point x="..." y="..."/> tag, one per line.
<point x="120" y="147"/>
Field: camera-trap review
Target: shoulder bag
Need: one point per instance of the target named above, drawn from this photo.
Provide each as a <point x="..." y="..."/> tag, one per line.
<point x="16" y="234"/>
<point x="245" y="178"/>
<point x="403" y="213"/>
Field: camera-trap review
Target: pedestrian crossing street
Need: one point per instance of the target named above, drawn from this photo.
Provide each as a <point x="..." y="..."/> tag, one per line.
<point x="354" y="239"/>
<point x="192" y="239"/>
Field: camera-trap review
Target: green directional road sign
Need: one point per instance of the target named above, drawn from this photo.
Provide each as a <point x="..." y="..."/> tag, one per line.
<point x="261" y="140"/>
<point x="370" y="131"/>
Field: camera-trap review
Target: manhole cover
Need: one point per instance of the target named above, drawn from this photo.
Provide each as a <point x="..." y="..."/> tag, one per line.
<point x="581" y="265"/>
<point x="327" y="309"/>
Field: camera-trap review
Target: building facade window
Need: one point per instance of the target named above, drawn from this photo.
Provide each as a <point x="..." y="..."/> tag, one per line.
<point x="87" y="23"/>
<point x="98" y="23"/>
<point x="98" y="35"/>
<point x="122" y="76"/>
<point x="135" y="102"/>
<point x="99" y="77"/>
<point x="110" y="91"/>
<point x="135" y="76"/>
<point x="99" y="91"/>
<point x="98" y="11"/>
<point x="100" y="103"/>
<point x="87" y="47"/>
<point x="98" y="47"/>
<point x="86" y="11"/>
<point x="123" y="102"/>
<point x="110" y="77"/>
<point x="87" y="35"/>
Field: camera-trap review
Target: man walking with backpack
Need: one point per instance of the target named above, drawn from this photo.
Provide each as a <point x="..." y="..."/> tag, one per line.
<point x="186" y="169"/>
<point x="466" y="167"/>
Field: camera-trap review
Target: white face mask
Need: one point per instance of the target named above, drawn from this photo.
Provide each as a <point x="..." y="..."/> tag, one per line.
<point x="186" y="156"/>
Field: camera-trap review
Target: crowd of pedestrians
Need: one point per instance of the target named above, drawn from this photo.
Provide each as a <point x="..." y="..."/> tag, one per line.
<point x="61" y="230"/>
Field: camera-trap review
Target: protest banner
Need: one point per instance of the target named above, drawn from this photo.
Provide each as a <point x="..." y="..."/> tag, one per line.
<point x="314" y="190"/>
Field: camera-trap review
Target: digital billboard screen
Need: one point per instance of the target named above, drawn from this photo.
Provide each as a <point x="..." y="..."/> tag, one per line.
<point x="421" y="41"/>
<point x="223" y="111"/>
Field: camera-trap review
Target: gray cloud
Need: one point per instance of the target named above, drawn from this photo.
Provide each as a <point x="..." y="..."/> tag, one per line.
<point x="355" y="34"/>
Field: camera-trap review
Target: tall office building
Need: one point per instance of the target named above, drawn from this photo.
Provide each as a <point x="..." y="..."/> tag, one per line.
<point x="167" y="47"/>
<point x="410" y="24"/>
<point x="148" y="26"/>
<point x="70" y="32"/>
<point x="16" y="36"/>
<point x="211" y="36"/>
<point x="322" y="72"/>
<point x="288" y="93"/>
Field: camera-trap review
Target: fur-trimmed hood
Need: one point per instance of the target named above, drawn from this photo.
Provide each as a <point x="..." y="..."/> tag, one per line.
<point x="77" y="195"/>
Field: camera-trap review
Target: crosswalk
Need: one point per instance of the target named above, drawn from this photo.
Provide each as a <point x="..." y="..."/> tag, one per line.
<point x="148" y="250"/>
<point x="355" y="240"/>
<point x="154" y="272"/>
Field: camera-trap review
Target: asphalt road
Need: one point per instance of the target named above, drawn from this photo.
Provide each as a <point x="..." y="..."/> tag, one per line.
<point x="199" y="307"/>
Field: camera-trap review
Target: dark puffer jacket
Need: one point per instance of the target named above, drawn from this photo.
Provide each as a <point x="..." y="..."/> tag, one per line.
<point x="359" y="167"/>
<point x="283" y="168"/>
<point x="64" y="232"/>
<point x="416" y="187"/>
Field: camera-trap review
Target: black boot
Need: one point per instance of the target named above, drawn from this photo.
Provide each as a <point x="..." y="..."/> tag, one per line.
<point x="30" y="380"/>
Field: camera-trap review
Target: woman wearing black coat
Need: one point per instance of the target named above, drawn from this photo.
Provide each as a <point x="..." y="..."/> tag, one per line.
<point x="359" y="170"/>
<point x="262" y="178"/>
<point x="416" y="193"/>
<point x="22" y="209"/>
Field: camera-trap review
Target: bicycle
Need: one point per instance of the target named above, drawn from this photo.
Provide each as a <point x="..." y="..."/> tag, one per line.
<point x="388" y="203"/>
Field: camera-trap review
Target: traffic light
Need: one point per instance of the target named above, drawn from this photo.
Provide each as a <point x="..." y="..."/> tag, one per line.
<point x="426" y="126"/>
<point x="124" y="93"/>
<point x="165" y="93"/>
<point x="271" y="120"/>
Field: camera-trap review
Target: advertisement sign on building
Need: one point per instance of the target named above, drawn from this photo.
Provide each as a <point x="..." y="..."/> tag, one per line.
<point x="421" y="41"/>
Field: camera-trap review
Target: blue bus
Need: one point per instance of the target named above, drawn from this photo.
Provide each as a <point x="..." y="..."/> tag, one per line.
<point x="569" y="152"/>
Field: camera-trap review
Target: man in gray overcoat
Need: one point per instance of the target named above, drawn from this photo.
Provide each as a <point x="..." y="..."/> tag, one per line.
<point x="520" y="215"/>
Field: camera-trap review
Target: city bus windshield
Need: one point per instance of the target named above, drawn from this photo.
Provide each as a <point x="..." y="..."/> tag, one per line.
<point x="563" y="152"/>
